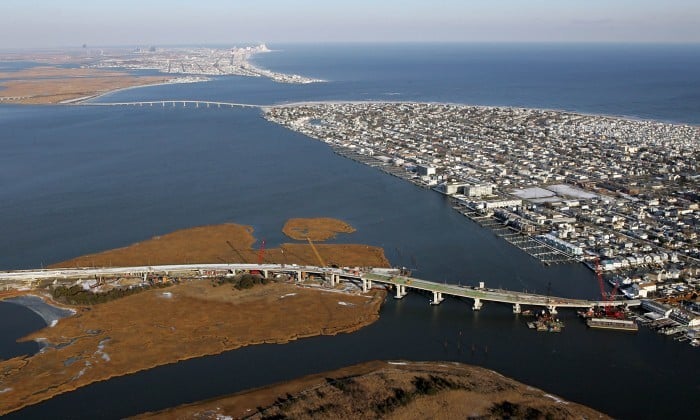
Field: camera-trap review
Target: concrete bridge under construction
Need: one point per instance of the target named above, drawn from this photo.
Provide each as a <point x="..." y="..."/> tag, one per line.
<point x="173" y="103"/>
<point x="401" y="284"/>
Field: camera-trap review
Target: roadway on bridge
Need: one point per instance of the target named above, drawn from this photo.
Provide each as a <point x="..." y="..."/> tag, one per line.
<point x="385" y="276"/>
<point x="173" y="103"/>
<point x="492" y="295"/>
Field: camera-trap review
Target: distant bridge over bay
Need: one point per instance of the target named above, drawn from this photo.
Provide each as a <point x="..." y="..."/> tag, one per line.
<point x="393" y="278"/>
<point x="174" y="103"/>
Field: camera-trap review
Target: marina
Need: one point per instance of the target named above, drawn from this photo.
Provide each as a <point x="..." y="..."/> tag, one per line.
<point x="539" y="250"/>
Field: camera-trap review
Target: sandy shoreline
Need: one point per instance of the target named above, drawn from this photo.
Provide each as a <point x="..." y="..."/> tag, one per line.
<point x="49" y="312"/>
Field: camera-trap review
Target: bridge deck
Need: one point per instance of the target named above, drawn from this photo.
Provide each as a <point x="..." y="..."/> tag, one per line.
<point x="385" y="276"/>
<point x="172" y="102"/>
<point x="492" y="295"/>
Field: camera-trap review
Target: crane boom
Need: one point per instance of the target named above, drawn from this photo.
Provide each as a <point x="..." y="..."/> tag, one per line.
<point x="318" y="256"/>
<point x="243" y="260"/>
<point x="610" y="311"/>
<point x="261" y="253"/>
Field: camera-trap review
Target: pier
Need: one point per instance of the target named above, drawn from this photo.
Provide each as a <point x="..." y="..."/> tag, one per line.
<point x="401" y="284"/>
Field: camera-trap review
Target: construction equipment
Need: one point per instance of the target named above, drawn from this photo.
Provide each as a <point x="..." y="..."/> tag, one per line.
<point x="242" y="258"/>
<point x="261" y="253"/>
<point x="610" y="310"/>
<point x="318" y="256"/>
<point x="261" y="259"/>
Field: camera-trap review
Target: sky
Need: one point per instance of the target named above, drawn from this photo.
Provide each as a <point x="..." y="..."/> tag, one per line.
<point x="63" y="23"/>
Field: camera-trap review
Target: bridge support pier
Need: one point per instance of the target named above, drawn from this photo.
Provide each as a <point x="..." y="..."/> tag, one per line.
<point x="366" y="285"/>
<point x="552" y="309"/>
<point x="437" y="298"/>
<point x="400" y="291"/>
<point x="477" y="304"/>
<point x="335" y="279"/>
<point x="516" y="308"/>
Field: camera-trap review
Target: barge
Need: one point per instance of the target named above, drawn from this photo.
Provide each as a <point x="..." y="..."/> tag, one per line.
<point x="612" y="324"/>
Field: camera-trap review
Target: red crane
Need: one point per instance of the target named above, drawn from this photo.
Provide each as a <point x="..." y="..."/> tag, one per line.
<point x="610" y="311"/>
<point x="261" y="252"/>
<point x="261" y="258"/>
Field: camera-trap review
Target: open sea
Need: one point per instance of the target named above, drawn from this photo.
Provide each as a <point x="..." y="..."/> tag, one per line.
<point x="78" y="179"/>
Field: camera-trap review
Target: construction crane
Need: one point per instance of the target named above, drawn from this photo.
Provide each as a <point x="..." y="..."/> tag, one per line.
<point x="610" y="311"/>
<point x="318" y="256"/>
<point x="261" y="253"/>
<point x="243" y="260"/>
<point x="261" y="258"/>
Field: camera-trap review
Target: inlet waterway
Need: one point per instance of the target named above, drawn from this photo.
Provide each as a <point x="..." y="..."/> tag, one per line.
<point x="77" y="180"/>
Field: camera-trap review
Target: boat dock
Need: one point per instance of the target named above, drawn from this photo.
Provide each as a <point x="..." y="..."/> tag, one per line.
<point x="541" y="251"/>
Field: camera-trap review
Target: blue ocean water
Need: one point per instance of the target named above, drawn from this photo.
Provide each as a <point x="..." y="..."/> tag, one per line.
<point x="76" y="180"/>
<point x="659" y="82"/>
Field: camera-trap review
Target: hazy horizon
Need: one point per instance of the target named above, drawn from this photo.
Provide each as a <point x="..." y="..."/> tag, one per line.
<point x="65" y="23"/>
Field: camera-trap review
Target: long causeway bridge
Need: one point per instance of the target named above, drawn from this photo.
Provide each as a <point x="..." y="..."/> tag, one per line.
<point x="401" y="284"/>
<point x="173" y="103"/>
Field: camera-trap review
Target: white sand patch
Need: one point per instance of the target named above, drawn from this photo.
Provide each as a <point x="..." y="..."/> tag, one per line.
<point x="555" y="399"/>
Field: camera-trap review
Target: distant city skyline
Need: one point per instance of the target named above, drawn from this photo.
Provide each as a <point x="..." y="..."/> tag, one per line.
<point x="65" y="23"/>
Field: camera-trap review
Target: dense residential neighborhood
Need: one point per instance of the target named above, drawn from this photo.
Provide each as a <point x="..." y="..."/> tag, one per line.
<point x="621" y="195"/>
<point x="197" y="61"/>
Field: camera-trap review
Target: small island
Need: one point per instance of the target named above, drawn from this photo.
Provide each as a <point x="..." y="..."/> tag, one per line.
<point x="316" y="229"/>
